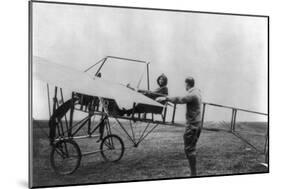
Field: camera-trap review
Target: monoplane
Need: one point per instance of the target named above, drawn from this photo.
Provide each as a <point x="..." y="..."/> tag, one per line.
<point x="103" y="103"/>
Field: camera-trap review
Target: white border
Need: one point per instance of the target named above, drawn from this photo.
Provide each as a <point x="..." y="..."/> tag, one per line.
<point x="14" y="51"/>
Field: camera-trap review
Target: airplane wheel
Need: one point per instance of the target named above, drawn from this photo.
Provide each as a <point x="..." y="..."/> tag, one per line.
<point x="112" y="148"/>
<point x="65" y="157"/>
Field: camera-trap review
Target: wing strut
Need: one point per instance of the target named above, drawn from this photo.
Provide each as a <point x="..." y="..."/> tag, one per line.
<point x="49" y="103"/>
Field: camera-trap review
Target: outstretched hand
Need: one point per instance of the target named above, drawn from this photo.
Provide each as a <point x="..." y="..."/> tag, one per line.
<point x="161" y="99"/>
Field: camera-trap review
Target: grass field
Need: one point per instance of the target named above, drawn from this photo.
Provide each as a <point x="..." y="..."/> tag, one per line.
<point x="160" y="156"/>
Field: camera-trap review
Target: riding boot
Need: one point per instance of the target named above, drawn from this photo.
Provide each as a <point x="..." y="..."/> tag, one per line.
<point x="192" y="165"/>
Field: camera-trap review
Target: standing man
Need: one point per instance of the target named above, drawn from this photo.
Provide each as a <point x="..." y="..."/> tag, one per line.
<point x="192" y="132"/>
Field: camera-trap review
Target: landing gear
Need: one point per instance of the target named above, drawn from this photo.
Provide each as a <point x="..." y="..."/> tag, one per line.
<point x="112" y="148"/>
<point x="65" y="157"/>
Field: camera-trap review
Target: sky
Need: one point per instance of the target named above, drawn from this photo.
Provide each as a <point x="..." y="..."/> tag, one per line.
<point x="226" y="54"/>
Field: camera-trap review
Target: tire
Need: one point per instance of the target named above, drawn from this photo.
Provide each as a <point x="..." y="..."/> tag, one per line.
<point x="65" y="157"/>
<point x="112" y="148"/>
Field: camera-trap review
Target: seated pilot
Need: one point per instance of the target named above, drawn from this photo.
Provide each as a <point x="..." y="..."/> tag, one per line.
<point x="161" y="91"/>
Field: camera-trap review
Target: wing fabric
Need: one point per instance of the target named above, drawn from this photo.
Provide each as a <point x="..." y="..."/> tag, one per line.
<point x="81" y="82"/>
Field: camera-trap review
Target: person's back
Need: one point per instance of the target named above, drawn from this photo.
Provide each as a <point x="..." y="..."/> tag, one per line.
<point x="193" y="102"/>
<point x="193" y="106"/>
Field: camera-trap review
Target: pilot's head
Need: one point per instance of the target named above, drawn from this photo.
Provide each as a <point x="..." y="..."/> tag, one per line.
<point x="162" y="80"/>
<point x="189" y="83"/>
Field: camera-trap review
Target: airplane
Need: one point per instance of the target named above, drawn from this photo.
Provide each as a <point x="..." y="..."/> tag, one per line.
<point x="95" y="96"/>
<point x="105" y="104"/>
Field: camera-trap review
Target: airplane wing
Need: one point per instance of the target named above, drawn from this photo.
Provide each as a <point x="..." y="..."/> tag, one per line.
<point x="81" y="82"/>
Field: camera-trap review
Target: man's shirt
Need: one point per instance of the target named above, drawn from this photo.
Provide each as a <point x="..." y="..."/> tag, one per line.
<point x="193" y="103"/>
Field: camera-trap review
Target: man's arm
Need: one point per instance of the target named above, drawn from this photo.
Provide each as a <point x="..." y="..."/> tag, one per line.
<point x="177" y="100"/>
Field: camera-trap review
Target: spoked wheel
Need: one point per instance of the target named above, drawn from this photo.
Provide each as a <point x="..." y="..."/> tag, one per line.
<point x="112" y="148"/>
<point x="65" y="157"/>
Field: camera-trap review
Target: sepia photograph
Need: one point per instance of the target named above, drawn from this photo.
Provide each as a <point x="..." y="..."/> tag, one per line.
<point x="124" y="94"/>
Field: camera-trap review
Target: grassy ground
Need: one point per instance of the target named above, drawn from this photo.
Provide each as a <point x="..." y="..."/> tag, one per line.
<point x="160" y="156"/>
